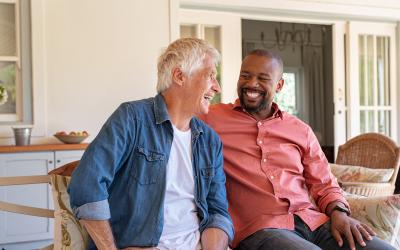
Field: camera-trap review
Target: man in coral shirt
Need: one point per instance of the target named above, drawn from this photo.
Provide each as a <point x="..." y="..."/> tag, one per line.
<point x="275" y="169"/>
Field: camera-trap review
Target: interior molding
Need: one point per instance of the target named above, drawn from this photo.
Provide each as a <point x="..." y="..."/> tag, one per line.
<point x="368" y="10"/>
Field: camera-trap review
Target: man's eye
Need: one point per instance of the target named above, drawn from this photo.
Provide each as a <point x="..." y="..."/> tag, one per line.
<point x="263" y="79"/>
<point x="244" y="76"/>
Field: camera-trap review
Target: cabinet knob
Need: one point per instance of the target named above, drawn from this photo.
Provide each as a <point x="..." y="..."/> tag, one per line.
<point x="58" y="161"/>
<point x="51" y="162"/>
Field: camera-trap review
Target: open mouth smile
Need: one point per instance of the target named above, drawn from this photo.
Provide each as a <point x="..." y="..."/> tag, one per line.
<point x="252" y="93"/>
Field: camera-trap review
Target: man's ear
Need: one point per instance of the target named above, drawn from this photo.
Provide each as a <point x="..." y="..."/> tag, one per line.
<point x="279" y="85"/>
<point x="178" y="76"/>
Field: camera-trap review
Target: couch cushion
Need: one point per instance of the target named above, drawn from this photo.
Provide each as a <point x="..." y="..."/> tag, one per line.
<point x="347" y="173"/>
<point x="382" y="214"/>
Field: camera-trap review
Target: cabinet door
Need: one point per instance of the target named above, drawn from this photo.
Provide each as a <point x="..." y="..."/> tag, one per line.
<point x="18" y="227"/>
<point x="64" y="157"/>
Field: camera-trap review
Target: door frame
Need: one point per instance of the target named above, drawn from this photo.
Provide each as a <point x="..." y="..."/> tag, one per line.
<point x="334" y="12"/>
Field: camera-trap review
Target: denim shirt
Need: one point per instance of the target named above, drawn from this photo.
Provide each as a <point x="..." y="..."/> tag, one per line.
<point x="122" y="174"/>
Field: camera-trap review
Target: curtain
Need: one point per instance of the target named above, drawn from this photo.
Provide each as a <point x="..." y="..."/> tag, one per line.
<point x="312" y="58"/>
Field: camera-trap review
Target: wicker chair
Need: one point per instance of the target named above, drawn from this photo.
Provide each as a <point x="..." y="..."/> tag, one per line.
<point x="370" y="150"/>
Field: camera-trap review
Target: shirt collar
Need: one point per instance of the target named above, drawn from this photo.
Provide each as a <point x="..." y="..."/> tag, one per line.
<point x="275" y="107"/>
<point x="161" y="115"/>
<point x="160" y="109"/>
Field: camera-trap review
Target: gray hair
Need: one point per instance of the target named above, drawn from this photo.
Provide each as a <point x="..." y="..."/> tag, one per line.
<point x="187" y="54"/>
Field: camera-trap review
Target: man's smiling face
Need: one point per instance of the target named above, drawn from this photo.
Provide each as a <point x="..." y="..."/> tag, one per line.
<point x="259" y="80"/>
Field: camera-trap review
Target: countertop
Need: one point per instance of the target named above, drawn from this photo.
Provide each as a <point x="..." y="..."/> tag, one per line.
<point x="44" y="147"/>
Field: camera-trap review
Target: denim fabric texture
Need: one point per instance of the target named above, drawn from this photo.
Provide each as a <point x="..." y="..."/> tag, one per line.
<point x="123" y="174"/>
<point x="302" y="238"/>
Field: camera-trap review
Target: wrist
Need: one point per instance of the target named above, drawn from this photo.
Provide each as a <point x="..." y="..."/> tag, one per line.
<point x="339" y="208"/>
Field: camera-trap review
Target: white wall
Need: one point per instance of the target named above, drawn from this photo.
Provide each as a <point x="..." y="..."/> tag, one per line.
<point x="96" y="54"/>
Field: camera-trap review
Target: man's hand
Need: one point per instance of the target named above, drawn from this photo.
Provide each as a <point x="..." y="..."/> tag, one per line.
<point x="214" y="239"/>
<point x="343" y="225"/>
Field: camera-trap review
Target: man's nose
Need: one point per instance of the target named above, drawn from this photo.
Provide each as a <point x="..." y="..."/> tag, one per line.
<point x="253" y="82"/>
<point x="216" y="87"/>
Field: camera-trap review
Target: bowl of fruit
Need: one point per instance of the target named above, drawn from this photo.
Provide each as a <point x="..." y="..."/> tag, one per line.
<point x="73" y="137"/>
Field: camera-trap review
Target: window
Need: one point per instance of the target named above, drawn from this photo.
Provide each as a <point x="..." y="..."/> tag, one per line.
<point x="289" y="97"/>
<point x="15" y="63"/>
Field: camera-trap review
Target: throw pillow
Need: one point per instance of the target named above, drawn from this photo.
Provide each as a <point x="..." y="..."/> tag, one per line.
<point x="382" y="214"/>
<point x="348" y="173"/>
<point x="69" y="233"/>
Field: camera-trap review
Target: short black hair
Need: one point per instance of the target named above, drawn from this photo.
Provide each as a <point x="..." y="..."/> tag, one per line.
<point x="268" y="54"/>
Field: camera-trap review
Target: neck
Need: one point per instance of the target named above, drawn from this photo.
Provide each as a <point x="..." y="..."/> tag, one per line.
<point x="176" y="111"/>
<point x="264" y="113"/>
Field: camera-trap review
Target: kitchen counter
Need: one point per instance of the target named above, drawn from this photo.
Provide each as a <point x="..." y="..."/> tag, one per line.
<point x="44" y="147"/>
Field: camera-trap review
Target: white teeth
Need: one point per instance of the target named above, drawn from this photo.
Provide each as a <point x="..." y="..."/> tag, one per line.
<point x="208" y="97"/>
<point x="252" y="94"/>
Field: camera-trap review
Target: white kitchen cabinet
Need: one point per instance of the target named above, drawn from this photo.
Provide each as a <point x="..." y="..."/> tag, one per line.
<point x="19" y="231"/>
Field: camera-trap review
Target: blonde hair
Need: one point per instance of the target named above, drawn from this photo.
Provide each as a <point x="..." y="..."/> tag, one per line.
<point x="185" y="53"/>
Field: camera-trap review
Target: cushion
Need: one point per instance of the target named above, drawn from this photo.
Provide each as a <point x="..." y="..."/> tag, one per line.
<point x="381" y="213"/>
<point x="347" y="173"/>
<point x="68" y="232"/>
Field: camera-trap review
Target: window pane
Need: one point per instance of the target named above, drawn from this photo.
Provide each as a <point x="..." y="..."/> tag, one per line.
<point x="188" y="31"/>
<point x="384" y="122"/>
<point x="363" y="69"/>
<point x="382" y="70"/>
<point x="370" y="72"/>
<point x="213" y="36"/>
<point x="7" y="88"/>
<point x="371" y="124"/>
<point x="367" y="121"/>
<point x="362" y="122"/>
<point x="286" y="98"/>
<point x="7" y="30"/>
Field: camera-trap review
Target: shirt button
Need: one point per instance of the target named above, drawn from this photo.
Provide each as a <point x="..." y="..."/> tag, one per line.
<point x="290" y="212"/>
<point x="272" y="177"/>
<point x="260" y="142"/>
<point x="264" y="160"/>
<point x="259" y="123"/>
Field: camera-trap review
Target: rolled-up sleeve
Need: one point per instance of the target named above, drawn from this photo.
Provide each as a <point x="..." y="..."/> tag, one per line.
<point x="92" y="178"/>
<point x="322" y="185"/>
<point x="217" y="201"/>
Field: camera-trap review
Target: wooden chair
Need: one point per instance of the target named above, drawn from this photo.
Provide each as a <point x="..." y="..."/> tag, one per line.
<point x="53" y="176"/>
<point x="27" y="210"/>
<point x="370" y="150"/>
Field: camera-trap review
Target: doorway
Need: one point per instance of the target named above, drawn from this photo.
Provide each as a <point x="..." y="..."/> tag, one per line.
<point x="306" y="51"/>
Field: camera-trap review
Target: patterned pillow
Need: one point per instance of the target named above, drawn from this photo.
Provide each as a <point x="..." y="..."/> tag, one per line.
<point x="347" y="173"/>
<point x="69" y="233"/>
<point x="382" y="214"/>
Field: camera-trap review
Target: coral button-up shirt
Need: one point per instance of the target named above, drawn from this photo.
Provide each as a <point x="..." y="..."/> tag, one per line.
<point x="272" y="167"/>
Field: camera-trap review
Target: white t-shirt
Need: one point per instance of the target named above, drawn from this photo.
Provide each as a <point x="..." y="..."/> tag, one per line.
<point x="181" y="224"/>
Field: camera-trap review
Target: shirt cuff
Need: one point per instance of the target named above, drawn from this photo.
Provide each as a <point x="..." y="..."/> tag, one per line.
<point x="223" y="223"/>
<point x="98" y="210"/>
<point x="333" y="197"/>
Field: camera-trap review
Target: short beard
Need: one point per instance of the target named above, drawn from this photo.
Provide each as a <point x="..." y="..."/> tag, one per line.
<point x="263" y="105"/>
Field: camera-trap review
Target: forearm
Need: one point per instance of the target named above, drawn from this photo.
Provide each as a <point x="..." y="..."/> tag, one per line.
<point x="101" y="233"/>
<point x="214" y="239"/>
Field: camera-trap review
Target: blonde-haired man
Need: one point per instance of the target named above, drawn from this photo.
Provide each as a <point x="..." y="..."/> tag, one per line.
<point x="153" y="177"/>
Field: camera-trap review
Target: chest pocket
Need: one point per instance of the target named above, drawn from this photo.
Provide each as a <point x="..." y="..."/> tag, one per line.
<point x="147" y="166"/>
